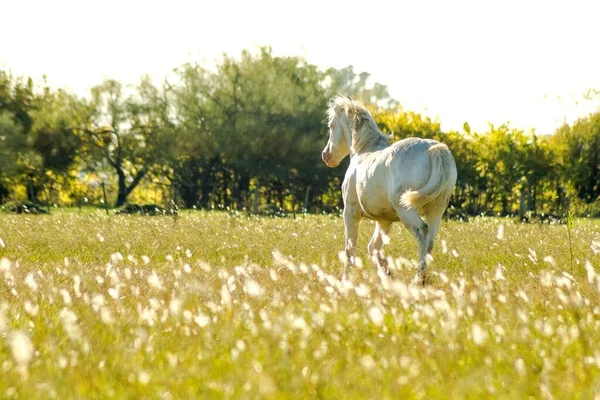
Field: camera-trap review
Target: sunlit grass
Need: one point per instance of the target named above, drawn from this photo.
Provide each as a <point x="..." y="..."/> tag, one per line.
<point x="229" y="306"/>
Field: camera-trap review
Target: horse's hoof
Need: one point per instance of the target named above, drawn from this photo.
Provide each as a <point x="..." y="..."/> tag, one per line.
<point x="421" y="278"/>
<point x="386" y="271"/>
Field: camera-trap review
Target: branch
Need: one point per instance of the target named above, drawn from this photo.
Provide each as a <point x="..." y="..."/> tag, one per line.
<point x="138" y="177"/>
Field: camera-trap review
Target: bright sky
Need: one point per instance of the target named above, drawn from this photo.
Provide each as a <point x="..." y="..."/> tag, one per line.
<point x="526" y="62"/>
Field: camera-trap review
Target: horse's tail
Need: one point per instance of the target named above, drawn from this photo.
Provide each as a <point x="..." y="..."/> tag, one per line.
<point x="441" y="181"/>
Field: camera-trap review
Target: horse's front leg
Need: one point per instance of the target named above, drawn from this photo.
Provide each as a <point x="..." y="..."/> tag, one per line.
<point x="351" y="222"/>
<point x="382" y="229"/>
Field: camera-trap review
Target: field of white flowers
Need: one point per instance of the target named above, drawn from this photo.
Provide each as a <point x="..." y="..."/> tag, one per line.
<point x="218" y="305"/>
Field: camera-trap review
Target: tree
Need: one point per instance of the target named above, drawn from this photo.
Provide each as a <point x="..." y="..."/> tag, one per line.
<point x="125" y="132"/>
<point x="11" y="141"/>
<point x="357" y="86"/>
<point x="255" y="119"/>
<point x="54" y="139"/>
<point x="579" y="157"/>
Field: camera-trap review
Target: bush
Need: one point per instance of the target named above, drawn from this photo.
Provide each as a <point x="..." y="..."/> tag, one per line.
<point x="144" y="209"/>
<point x="24" y="207"/>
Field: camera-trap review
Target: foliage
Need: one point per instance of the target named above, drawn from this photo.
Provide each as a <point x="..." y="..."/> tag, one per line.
<point x="247" y="133"/>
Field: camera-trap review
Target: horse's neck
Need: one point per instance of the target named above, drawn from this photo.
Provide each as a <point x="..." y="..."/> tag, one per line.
<point x="379" y="144"/>
<point x="382" y="143"/>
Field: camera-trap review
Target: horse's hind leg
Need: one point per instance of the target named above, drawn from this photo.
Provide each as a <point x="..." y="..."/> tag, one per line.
<point x="420" y="230"/>
<point x="433" y="216"/>
<point x="376" y="244"/>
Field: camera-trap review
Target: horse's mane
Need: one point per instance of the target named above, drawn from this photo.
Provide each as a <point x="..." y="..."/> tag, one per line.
<point x="365" y="132"/>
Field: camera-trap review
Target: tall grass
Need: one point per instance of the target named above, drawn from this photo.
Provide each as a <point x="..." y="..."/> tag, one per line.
<point x="226" y="306"/>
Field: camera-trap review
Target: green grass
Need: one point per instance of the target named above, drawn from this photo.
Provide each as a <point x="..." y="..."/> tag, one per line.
<point x="225" y="306"/>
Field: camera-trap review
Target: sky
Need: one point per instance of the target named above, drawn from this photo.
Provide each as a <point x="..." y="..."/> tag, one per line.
<point x="526" y="63"/>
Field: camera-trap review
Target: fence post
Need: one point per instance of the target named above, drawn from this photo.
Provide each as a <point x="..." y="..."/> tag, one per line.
<point x="105" y="201"/>
<point x="175" y="207"/>
<point x="306" y="194"/>
<point x="256" y="193"/>
<point x="293" y="204"/>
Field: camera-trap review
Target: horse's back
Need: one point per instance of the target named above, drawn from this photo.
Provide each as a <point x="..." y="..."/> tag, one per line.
<point x="381" y="177"/>
<point x="409" y="163"/>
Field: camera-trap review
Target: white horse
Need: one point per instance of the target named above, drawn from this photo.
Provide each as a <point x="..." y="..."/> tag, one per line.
<point x="387" y="183"/>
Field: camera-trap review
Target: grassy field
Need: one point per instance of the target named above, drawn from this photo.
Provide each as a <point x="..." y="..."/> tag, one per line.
<point x="225" y="306"/>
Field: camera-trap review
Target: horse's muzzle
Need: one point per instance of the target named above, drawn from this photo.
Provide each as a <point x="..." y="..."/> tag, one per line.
<point x="326" y="156"/>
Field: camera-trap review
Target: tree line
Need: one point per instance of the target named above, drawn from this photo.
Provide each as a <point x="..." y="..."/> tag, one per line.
<point x="247" y="133"/>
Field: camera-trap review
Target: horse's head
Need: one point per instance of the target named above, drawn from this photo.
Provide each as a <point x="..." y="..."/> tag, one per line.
<point x="338" y="145"/>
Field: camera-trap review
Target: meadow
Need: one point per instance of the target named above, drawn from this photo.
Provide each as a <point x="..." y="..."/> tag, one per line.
<point x="224" y="305"/>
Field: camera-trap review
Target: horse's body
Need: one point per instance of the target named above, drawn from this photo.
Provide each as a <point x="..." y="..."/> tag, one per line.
<point x="388" y="183"/>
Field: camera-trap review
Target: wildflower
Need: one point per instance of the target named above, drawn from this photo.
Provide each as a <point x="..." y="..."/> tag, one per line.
<point x="106" y="316"/>
<point x="77" y="285"/>
<point x="300" y="324"/>
<point x="3" y="322"/>
<point x="66" y="296"/>
<point x="172" y="359"/>
<point x="5" y="264"/>
<point x="478" y="334"/>
<point x="31" y="309"/>
<point x="591" y="274"/>
<point x="30" y="281"/>
<point x="362" y="290"/>
<point x="225" y="296"/>
<point x="550" y="260"/>
<point x="144" y="377"/>
<point x="154" y="280"/>
<point x="444" y="247"/>
<point x="532" y="256"/>
<point x="367" y="362"/>
<point x="252" y="288"/>
<point x="114" y="292"/>
<point x="116" y="258"/>
<point x="376" y="316"/>
<point x="175" y="306"/>
<point x="69" y="323"/>
<point x="21" y="347"/>
<point x="500" y="234"/>
<point x="520" y="367"/>
<point x="595" y="246"/>
<point x="201" y="319"/>
<point x="499" y="276"/>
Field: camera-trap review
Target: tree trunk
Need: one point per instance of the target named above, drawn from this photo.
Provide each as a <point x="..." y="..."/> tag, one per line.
<point x="122" y="193"/>
<point x="241" y="190"/>
<point x="522" y="205"/>
<point x="255" y="207"/>
<point x="207" y="182"/>
<point x="224" y="187"/>
<point x="31" y="195"/>
<point x="125" y="190"/>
